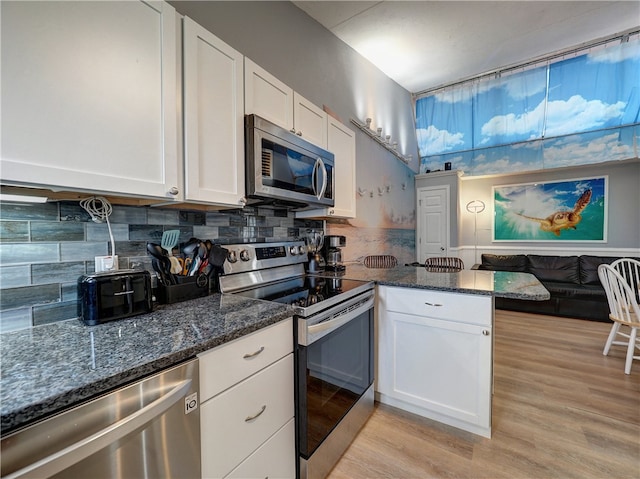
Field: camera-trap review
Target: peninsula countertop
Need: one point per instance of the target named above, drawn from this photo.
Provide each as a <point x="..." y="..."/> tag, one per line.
<point x="497" y="283"/>
<point x="48" y="368"/>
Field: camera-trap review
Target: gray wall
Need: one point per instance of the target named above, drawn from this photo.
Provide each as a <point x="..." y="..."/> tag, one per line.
<point x="624" y="204"/>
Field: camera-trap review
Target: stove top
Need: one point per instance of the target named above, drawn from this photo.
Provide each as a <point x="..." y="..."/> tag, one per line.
<point x="276" y="272"/>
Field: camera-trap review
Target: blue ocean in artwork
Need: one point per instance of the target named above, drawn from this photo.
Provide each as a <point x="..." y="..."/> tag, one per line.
<point x="520" y="211"/>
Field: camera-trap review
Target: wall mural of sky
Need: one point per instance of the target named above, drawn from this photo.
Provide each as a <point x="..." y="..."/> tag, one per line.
<point x="580" y="110"/>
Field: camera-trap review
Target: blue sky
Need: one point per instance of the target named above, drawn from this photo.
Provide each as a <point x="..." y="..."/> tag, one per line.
<point x="590" y="92"/>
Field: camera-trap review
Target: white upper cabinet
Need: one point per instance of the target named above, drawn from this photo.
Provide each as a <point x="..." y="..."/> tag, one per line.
<point x="310" y="121"/>
<point x="269" y="98"/>
<point x="341" y="141"/>
<point x="214" y="119"/>
<point x="89" y="94"/>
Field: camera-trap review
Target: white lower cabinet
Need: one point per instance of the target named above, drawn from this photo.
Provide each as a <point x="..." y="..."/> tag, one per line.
<point x="435" y="355"/>
<point x="247" y="412"/>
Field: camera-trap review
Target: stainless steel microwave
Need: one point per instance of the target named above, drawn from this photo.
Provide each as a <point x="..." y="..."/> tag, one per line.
<point x="286" y="169"/>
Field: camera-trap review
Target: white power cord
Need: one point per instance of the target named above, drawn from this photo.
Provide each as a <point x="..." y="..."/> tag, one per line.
<point x="100" y="209"/>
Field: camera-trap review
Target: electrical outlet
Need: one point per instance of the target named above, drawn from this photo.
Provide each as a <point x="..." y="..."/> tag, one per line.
<point x="106" y="263"/>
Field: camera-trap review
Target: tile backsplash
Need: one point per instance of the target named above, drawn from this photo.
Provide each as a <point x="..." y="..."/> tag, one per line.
<point x="44" y="248"/>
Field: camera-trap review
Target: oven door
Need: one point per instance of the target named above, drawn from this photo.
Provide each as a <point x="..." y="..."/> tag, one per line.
<point x="334" y="367"/>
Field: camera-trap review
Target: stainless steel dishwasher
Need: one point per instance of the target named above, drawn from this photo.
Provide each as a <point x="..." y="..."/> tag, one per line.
<point x="149" y="429"/>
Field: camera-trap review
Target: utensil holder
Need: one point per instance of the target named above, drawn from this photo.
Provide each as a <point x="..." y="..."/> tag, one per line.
<point x="188" y="287"/>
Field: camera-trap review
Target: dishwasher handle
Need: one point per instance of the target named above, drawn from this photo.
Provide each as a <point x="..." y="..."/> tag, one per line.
<point x="67" y="457"/>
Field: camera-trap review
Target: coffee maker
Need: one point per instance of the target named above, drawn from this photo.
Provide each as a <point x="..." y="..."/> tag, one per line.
<point x="333" y="252"/>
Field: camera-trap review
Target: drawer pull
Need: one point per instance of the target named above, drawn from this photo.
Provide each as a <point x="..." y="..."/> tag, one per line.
<point x="485" y="332"/>
<point x="253" y="355"/>
<point x="255" y="416"/>
<point x="433" y="304"/>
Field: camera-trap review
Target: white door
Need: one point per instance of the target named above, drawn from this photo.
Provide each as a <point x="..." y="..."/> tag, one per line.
<point x="214" y="118"/>
<point x="433" y="222"/>
<point x="310" y="121"/>
<point x="266" y="96"/>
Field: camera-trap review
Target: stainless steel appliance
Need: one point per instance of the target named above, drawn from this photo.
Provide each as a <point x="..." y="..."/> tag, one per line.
<point x="334" y="344"/>
<point x="109" y="296"/>
<point x="284" y="168"/>
<point x="149" y="429"/>
<point x="333" y="245"/>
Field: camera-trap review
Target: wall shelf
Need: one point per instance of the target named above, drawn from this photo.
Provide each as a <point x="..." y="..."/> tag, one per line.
<point x="383" y="141"/>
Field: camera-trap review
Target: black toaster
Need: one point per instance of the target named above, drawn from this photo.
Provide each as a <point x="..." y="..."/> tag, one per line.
<point x="113" y="295"/>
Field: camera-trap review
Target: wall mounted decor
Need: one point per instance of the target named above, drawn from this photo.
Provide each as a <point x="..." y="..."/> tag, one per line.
<point x="563" y="210"/>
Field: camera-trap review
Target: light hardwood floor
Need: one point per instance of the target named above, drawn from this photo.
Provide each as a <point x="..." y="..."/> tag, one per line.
<point x="560" y="410"/>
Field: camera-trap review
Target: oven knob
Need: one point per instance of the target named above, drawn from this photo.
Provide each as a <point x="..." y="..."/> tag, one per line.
<point x="244" y="255"/>
<point x="232" y="257"/>
<point x="301" y="250"/>
<point x="293" y="250"/>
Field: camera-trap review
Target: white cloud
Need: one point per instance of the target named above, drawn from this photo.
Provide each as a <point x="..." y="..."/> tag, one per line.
<point x="432" y="141"/>
<point x="563" y="117"/>
<point x="575" y="152"/>
<point x="620" y="52"/>
<point x="579" y="114"/>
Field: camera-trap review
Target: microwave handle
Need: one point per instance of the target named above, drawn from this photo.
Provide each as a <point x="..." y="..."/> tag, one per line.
<point x="320" y="165"/>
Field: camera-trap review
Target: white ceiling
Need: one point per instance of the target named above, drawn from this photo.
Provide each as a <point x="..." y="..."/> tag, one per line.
<point x="427" y="44"/>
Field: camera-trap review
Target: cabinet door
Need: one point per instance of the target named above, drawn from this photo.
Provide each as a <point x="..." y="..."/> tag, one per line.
<point x="266" y="96"/>
<point x="89" y="96"/>
<point x="275" y="458"/>
<point x="341" y="141"/>
<point x="238" y="421"/>
<point x="214" y="118"/>
<point x="310" y="121"/>
<point x="440" y="366"/>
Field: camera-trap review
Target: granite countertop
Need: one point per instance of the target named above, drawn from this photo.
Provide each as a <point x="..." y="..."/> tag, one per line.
<point x="497" y="283"/>
<point x="48" y="368"/>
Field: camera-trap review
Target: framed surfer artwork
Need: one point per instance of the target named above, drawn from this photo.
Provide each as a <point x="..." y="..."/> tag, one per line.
<point x="563" y="210"/>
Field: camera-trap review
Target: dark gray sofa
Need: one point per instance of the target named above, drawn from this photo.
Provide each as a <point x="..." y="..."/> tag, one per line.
<point x="573" y="282"/>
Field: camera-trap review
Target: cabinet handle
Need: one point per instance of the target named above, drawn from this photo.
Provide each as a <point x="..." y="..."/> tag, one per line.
<point x="485" y="332"/>
<point x="174" y="191"/>
<point x="253" y="355"/>
<point x="251" y="418"/>
<point x="292" y="130"/>
<point x="433" y="304"/>
<point x="299" y="133"/>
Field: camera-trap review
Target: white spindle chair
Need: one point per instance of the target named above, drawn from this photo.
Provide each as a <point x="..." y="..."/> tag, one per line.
<point x="624" y="310"/>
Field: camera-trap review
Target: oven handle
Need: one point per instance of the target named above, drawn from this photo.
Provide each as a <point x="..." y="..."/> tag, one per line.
<point x="310" y="334"/>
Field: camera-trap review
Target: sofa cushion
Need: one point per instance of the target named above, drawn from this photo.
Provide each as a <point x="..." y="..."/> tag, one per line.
<point x="589" y="267"/>
<point x="509" y="262"/>
<point x="563" y="269"/>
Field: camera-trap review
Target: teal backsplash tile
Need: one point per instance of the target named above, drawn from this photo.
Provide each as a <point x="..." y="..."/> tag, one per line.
<point x="15" y="319"/>
<point x="14" y="298"/>
<point x="29" y="211"/>
<point x="54" y="312"/>
<point x="73" y="212"/>
<point x="131" y="215"/>
<point x="192" y="218"/>
<point x="57" y="231"/>
<point x="82" y="251"/>
<point x="56" y="273"/>
<point x="152" y="233"/>
<point x="100" y="232"/>
<point x="15" y="276"/>
<point x="38" y="276"/>
<point x="29" y="253"/>
<point x="157" y="216"/>
<point x="14" y="231"/>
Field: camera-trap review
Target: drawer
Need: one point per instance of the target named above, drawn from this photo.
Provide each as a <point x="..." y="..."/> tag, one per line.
<point x="229" y="434"/>
<point x="463" y="308"/>
<point x="226" y="365"/>
<point x="275" y="458"/>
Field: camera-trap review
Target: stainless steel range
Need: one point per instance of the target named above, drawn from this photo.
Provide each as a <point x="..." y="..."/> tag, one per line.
<point x="333" y="332"/>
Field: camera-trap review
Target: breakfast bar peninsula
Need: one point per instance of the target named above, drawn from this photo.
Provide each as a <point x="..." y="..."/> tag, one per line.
<point x="435" y="339"/>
